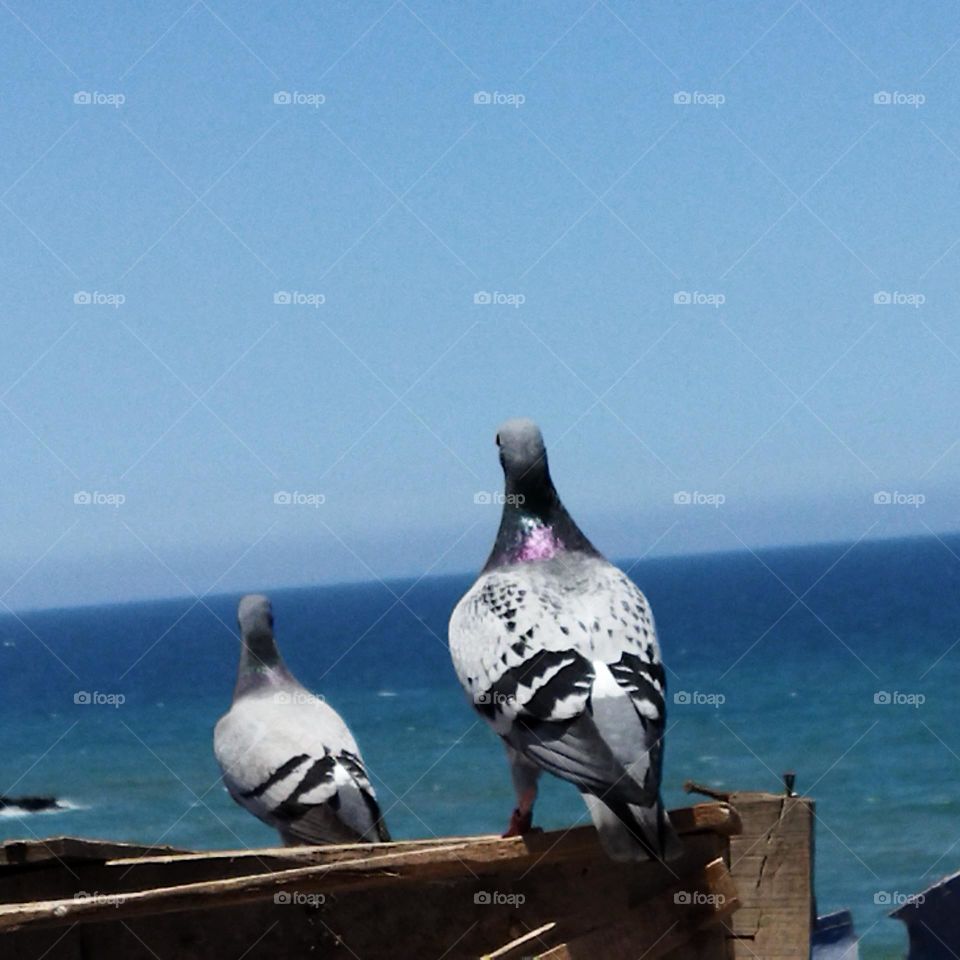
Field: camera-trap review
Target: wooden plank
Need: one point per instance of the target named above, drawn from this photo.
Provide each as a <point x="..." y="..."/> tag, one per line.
<point x="483" y="854"/>
<point x="16" y="853"/>
<point x="475" y="858"/>
<point x="720" y="818"/>
<point x="659" y="925"/>
<point x="709" y="943"/>
<point x="415" y="898"/>
<point x="399" y="920"/>
<point x="420" y="865"/>
<point x="771" y="861"/>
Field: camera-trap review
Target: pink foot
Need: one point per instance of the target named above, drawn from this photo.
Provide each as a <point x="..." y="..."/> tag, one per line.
<point x="520" y="824"/>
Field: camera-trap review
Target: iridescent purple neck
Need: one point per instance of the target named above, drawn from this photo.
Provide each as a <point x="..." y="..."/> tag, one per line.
<point x="537" y="542"/>
<point x="535" y="525"/>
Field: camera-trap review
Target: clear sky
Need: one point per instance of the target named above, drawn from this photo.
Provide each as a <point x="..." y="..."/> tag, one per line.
<point x="630" y="156"/>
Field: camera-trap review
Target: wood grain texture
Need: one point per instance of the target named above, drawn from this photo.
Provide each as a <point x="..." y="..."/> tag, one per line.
<point x="459" y="897"/>
<point x="771" y="861"/>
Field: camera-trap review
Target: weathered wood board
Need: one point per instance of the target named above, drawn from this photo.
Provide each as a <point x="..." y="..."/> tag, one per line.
<point x="771" y="862"/>
<point x="553" y="895"/>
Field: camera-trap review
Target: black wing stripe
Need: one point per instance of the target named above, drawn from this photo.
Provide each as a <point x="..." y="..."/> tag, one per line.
<point x="321" y="771"/>
<point x="281" y="773"/>
<point x="637" y="678"/>
<point x="569" y="674"/>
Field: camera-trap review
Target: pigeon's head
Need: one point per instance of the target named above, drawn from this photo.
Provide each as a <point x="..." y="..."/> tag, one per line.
<point x="255" y="617"/>
<point x="522" y="452"/>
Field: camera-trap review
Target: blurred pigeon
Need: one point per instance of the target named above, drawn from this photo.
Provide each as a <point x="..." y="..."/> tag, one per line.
<point x="286" y="756"/>
<point x="558" y="651"/>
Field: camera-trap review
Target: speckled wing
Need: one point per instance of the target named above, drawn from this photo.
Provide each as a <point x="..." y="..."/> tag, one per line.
<point x="561" y="657"/>
<point x="290" y="760"/>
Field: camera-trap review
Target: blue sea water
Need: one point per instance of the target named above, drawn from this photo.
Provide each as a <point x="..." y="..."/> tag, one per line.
<point x="776" y="661"/>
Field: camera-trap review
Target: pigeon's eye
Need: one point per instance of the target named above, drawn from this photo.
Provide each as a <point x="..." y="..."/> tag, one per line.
<point x="498" y="439"/>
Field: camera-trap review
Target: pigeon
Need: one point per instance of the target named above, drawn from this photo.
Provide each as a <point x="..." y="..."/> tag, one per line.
<point x="286" y="755"/>
<point x="557" y="650"/>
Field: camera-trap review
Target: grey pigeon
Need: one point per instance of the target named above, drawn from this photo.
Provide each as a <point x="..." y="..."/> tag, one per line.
<point x="286" y="756"/>
<point x="558" y="651"/>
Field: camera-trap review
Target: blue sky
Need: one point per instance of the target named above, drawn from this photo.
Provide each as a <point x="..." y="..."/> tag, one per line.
<point x="782" y="200"/>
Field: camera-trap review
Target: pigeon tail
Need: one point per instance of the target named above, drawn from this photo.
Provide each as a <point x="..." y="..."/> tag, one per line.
<point x="629" y="832"/>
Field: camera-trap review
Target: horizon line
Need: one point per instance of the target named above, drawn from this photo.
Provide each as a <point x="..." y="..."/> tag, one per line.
<point x="387" y="581"/>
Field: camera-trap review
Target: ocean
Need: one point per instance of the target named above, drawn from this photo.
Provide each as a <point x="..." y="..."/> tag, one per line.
<point x="840" y="662"/>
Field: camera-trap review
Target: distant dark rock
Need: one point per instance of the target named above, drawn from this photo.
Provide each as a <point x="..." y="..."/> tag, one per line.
<point x="30" y="804"/>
